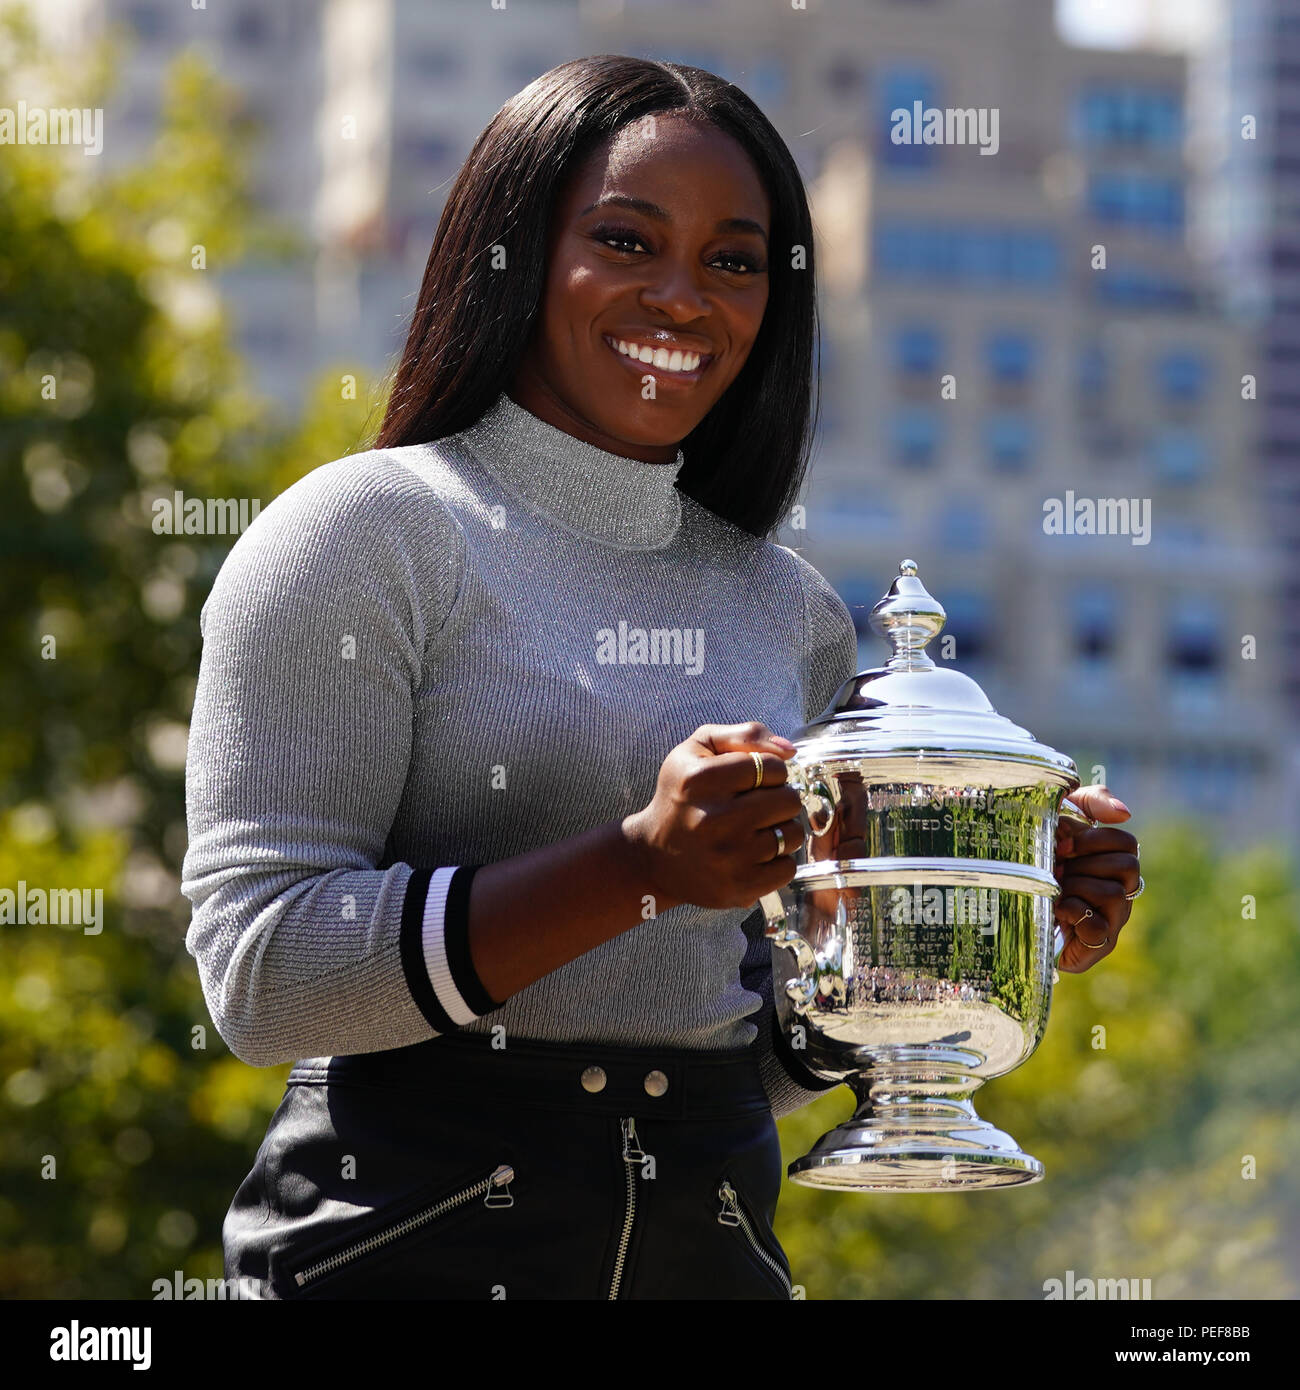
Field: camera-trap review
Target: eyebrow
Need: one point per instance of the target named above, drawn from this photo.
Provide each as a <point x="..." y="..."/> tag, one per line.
<point x="624" y="200"/>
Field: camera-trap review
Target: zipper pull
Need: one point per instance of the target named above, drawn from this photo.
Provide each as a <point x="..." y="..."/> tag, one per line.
<point x="632" y="1150"/>
<point x="730" y="1213"/>
<point x="501" y="1177"/>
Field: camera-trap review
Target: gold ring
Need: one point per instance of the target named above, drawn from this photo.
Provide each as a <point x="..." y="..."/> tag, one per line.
<point x="780" y="841"/>
<point x="1105" y="941"/>
<point x="758" y="770"/>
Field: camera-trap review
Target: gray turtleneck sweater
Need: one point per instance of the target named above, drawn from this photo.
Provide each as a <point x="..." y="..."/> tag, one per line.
<point x="420" y="660"/>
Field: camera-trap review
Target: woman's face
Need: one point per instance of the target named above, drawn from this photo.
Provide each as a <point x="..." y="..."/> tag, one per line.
<point x="683" y="270"/>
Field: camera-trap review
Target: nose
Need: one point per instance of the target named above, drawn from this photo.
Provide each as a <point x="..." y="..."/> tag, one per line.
<point x="675" y="292"/>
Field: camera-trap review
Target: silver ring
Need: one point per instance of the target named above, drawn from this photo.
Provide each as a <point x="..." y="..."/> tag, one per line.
<point x="758" y="770"/>
<point x="780" y="841"/>
<point x="1138" y="891"/>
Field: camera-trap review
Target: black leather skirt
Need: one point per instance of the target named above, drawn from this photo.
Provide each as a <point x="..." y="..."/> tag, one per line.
<point x="453" y="1169"/>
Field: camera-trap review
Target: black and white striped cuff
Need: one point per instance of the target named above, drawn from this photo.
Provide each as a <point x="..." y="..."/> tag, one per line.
<point x="435" y="948"/>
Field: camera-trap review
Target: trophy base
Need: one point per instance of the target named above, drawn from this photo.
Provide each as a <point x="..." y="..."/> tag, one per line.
<point x="914" y="1143"/>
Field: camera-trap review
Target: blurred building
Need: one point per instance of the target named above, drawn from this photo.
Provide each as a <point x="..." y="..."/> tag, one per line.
<point x="998" y="330"/>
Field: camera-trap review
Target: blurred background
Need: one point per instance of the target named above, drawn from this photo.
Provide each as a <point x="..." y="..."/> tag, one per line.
<point x="208" y="304"/>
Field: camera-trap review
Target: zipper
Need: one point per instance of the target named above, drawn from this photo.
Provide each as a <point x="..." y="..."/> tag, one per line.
<point x="733" y="1214"/>
<point x="495" y="1190"/>
<point x="632" y="1156"/>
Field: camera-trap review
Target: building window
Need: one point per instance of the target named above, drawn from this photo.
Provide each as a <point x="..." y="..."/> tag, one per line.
<point x="1137" y="288"/>
<point x="969" y="626"/>
<point x="1010" y="357"/>
<point x="916" y="349"/>
<point x="1109" y="114"/>
<point x="1092" y="372"/>
<point x="975" y="256"/>
<point x="899" y="88"/>
<point x="1181" y="375"/>
<point x="963" y="524"/>
<point x="1178" y="455"/>
<point x="1008" y="441"/>
<point x="1095" y="620"/>
<point x="1133" y="198"/>
<point x="1193" y="653"/>
<point x="916" y="436"/>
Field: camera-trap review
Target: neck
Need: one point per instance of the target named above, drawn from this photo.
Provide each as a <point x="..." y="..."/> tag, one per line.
<point x="607" y="496"/>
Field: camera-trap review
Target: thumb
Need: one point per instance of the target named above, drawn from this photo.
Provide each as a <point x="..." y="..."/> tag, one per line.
<point x="1097" y="803"/>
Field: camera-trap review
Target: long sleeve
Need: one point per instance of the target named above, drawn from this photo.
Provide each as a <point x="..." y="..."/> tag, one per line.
<point x="831" y="648"/>
<point x="316" y="634"/>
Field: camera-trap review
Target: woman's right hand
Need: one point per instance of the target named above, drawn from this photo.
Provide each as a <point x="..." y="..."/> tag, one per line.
<point x="708" y="836"/>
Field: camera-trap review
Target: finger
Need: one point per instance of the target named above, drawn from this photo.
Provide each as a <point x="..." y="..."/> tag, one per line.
<point x="1105" y="839"/>
<point x="1097" y="803"/>
<point x="734" y="775"/>
<point x="1123" y="868"/>
<point x="732" y="738"/>
<point x="1102" y="895"/>
<point x="766" y="844"/>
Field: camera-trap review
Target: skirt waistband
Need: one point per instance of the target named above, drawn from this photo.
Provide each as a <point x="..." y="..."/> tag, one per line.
<point x="590" y="1077"/>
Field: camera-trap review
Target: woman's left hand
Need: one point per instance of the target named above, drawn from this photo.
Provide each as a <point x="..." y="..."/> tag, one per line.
<point x="1096" y="868"/>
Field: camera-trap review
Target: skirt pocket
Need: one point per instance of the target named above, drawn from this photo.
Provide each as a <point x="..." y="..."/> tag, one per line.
<point x="733" y="1213"/>
<point x="387" y="1253"/>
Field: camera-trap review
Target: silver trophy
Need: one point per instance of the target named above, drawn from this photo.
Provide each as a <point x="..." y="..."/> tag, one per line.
<point x="914" y="951"/>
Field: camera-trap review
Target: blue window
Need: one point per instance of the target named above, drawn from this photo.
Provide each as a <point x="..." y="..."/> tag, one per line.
<point x="1193" y="651"/>
<point x="963" y="524"/>
<point x="899" y="88"/>
<point x="916" y="348"/>
<point x="1181" y="375"/>
<point x="1092" y="370"/>
<point x="1178" y="455"/>
<point x="1010" y="356"/>
<point x="1128" y="115"/>
<point x="1009" y="440"/>
<point x="1139" y="288"/>
<point x="916" y="436"/>
<point x="1136" y="199"/>
<point x="974" y="256"/>
<point x="1094" y="616"/>
<point x="968" y="622"/>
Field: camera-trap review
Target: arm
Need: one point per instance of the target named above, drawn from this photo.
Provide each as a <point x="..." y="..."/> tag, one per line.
<point x="316" y="635"/>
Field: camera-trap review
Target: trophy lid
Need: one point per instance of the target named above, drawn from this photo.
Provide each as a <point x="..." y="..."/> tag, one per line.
<point x="910" y="705"/>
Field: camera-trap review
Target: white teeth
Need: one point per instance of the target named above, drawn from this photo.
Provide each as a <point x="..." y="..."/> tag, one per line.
<point x="674" y="361"/>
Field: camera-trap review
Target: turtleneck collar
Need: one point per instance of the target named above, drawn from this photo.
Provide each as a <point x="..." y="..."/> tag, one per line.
<point x="608" y="497"/>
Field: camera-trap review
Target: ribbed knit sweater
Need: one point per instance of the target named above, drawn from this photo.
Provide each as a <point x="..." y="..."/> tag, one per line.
<point x="420" y="660"/>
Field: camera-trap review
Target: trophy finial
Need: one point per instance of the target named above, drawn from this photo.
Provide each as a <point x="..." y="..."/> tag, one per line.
<point x="908" y="616"/>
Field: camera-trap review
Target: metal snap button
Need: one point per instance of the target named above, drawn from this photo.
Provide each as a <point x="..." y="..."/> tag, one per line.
<point x="656" y="1083"/>
<point x="593" y="1079"/>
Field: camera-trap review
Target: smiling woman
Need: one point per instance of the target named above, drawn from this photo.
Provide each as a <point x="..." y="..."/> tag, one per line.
<point x="487" y="875"/>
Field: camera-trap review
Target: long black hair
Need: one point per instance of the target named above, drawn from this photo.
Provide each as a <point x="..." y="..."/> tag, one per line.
<point x="746" y="459"/>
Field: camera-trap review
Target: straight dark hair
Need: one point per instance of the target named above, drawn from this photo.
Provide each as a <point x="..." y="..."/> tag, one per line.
<point x="747" y="458"/>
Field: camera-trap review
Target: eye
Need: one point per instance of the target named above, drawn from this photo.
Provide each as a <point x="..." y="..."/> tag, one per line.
<point x="742" y="262"/>
<point x="607" y="234"/>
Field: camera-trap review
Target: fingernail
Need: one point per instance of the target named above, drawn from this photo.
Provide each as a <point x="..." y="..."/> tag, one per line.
<point x="1119" y="805"/>
<point x="785" y="742"/>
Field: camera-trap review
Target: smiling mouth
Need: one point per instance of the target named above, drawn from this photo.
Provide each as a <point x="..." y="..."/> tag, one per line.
<point x="672" y="364"/>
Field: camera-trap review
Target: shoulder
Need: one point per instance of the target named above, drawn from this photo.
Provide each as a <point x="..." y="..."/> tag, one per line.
<point x="828" y="616"/>
<point x="379" y="517"/>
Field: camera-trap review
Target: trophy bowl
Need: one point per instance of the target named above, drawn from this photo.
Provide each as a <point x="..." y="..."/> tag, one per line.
<point x="914" y="951"/>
